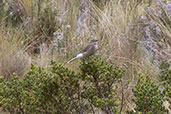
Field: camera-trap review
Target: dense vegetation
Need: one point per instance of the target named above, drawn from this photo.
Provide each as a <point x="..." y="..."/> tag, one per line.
<point x="130" y="73"/>
<point x="63" y="91"/>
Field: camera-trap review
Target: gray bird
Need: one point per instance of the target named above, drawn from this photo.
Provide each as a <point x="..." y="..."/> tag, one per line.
<point x="87" y="51"/>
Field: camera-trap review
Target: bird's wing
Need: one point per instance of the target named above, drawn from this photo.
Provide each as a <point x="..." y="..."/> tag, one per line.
<point x="87" y="48"/>
<point x="89" y="51"/>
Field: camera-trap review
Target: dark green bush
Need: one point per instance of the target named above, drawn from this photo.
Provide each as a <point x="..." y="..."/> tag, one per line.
<point x="39" y="92"/>
<point x="99" y="78"/>
<point x="165" y="73"/>
<point x="2" y="11"/>
<point x="165" y="78"/>
<point x="61" y="91"/>
<point x="148" y="97"/>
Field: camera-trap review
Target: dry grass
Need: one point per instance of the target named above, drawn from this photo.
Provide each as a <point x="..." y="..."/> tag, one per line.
<point x="12" y="54"/>
<point x="119" y="31"/>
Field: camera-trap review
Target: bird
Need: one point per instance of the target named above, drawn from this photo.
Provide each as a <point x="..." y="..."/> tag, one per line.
<point x="89" y="50"/>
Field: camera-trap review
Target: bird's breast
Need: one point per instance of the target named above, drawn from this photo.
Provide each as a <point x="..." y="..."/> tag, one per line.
<point x="96" y="46"/>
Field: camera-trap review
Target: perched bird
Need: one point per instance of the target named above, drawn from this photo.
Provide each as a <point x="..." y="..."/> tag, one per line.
<point x="87" y="51"/>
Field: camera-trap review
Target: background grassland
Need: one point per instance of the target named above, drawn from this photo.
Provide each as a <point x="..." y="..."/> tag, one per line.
<point x="134" y="34"/>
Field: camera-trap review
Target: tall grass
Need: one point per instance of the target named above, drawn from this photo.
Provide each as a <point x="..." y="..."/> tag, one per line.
<point x="14" y="59"/>
<point x="119" y="30"/>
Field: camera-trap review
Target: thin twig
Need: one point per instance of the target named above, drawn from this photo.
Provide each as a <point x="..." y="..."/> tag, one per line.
<point x="73" y="102"/>
<point x="122" y="98"/>
<point x="91" y="107"/>
<point x="38" y="4"/>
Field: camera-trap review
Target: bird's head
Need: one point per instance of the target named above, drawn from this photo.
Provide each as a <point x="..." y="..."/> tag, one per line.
<point x="94" y="41"/>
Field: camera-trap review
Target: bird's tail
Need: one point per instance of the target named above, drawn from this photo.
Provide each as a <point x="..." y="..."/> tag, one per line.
<point x="71" y="60"/>
<point x="80" y="55"/>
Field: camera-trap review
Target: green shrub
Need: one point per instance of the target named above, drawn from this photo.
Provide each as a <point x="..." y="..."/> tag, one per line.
<point x="38" y="92"/>
<point x="62" y="91"/>
<point x="99" y="78"/>
<point x="165" y="73"/>
<point x="165" y="78"/>
<point x="11" y="94"/>
<point x="148" y="97"/>
<point x="2" y="11"/>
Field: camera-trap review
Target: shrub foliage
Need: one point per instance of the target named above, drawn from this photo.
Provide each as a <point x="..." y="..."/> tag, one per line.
<point x="99" y="78"/>
<point x="165" y="78"/>
<point x="62" y="91"/>
<point x="148" y="97"/>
